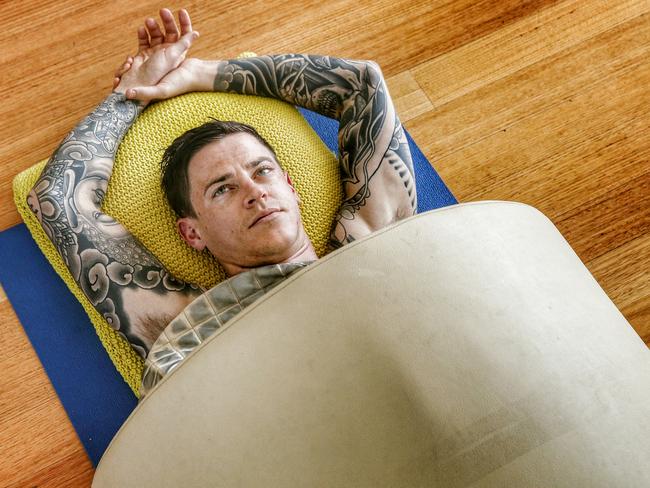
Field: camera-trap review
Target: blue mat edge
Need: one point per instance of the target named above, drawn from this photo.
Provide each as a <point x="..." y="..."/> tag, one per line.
<point x="94" y="395"/>
<point x="81" y="372"/>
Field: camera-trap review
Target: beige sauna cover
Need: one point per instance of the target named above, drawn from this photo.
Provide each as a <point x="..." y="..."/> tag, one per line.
<point x="468" y="346"/>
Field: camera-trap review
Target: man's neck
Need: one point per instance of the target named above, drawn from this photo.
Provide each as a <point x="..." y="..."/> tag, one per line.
<point x="305" y="253"/>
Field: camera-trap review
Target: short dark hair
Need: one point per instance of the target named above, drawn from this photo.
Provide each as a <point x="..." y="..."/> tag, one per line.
<point x="176" y="160"/>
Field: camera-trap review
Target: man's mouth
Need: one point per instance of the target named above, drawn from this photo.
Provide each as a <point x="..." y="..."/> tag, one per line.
<point x="264" y="216"/>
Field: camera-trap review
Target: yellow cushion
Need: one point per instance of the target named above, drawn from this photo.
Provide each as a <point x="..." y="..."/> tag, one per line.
<point x="134" y="196"/>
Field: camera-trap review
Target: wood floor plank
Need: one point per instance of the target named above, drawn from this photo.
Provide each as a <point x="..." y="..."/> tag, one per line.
<point x="550" y="148"/>
<point x="520" y="45"/>
<point x="529" y="92"/>
<point x="38" y="443"/>
<point x="557" y="160"/>
<point x="609" y="221"/>
<point x="410" y="100"/>
<point x="622" y="272"/>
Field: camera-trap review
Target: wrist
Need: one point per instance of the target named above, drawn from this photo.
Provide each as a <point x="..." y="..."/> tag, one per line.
<point x="121" y="96"/>
<point x="203" y="73"/>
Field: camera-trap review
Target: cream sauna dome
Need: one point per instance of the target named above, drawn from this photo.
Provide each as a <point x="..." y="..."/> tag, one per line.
<point x="468" y="346"/>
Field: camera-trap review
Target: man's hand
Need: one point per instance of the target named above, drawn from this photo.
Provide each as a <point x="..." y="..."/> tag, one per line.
<point x="158" y="53"/>
<point x="192" y="75"/>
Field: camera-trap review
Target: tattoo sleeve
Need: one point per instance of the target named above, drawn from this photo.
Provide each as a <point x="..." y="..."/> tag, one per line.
<point x="104" y="258"/>
<point x="376" y="165"/>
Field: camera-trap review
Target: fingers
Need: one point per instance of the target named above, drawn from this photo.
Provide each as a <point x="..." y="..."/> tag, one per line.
<point x="143" y="39"/>
<point x="155" y="34"/>
<point x="147" y="93"/>
<point x="179" y="48"/>
<point x="152" y="35"/>
<point x="161" y="49"/>
<point x="171" y="31"/>
<point x="185" y="21"/>
<point x="123" y="68"/>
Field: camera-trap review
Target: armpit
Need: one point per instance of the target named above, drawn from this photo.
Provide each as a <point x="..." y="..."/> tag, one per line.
<point x="150" y="311"/>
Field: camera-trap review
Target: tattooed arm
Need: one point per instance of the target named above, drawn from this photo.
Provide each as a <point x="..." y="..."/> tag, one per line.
<point x="127" y="285"/>
<point x="376" y="165"/>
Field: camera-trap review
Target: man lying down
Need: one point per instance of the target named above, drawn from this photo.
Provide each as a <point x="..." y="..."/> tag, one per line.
<point x="223" y="181"/>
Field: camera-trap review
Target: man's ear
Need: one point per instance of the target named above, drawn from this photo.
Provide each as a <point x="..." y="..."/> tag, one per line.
<point x="187" y="228"/>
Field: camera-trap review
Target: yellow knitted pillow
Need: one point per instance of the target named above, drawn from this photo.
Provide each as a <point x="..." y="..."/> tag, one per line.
<point x="135" y="199"/>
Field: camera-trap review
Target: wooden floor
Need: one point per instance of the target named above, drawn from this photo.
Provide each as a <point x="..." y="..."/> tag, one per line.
<point x="545" y="102"/>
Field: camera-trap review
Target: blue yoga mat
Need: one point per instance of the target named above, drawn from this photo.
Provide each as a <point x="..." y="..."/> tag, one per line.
<point x="94" y="395"/>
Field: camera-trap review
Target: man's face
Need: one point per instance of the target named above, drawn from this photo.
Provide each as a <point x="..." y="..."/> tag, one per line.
<point x="247" y="212"/>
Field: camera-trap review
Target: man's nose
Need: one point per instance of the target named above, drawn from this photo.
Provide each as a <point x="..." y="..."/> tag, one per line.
<point x="254" y="193"/>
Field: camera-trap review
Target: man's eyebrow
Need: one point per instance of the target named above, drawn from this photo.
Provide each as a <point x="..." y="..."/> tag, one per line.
<point x="216" y="180"/>
<point x="256" y="162"/>
<point x="249" y="165"/>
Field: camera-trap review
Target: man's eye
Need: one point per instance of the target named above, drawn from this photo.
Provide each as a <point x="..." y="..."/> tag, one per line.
<point x="265" y="170"/>
<point x="220" y="191"/>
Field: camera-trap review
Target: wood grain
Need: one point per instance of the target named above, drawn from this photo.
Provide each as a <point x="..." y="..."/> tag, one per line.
<point x="540" y="101"/>
<point x="519" y="45"/>
<point x="409" y="98"/>
<point x="622" y="272"/>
